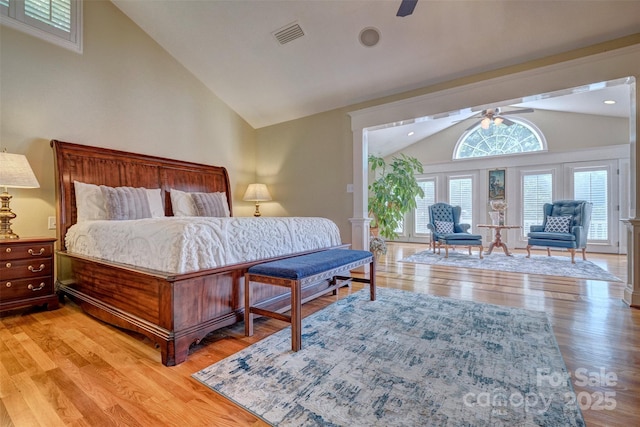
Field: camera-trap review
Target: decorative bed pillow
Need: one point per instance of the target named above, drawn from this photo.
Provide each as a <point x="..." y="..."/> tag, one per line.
<point x="444" y="227"/>
<point x="557" y="224"/>
<point x="124" y="203"/>
<point x="155" y="202"/>
<point x="211" y="204"/>
<point x="89" y="202"/>
<point x="182" y="203"/>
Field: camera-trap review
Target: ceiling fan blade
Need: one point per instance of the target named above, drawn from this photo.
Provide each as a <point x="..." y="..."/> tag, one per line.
<point x="507" y="122"/>
<point x="521" y="111"/>
<point x="406" y="7"/>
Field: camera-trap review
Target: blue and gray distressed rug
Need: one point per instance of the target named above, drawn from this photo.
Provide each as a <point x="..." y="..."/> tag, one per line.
<point x="498" y="261"/>
<point x="406" y="359"/>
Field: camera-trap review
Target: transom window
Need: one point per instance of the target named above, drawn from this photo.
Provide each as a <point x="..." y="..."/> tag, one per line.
<point x="500" y="140"/>
<point x="56" y="21"/>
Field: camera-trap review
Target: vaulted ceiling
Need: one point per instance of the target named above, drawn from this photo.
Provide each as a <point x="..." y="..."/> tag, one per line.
<point x="231" y="46"/>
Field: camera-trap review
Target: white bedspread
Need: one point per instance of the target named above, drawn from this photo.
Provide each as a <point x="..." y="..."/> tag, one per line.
<point x="185" y="244"/>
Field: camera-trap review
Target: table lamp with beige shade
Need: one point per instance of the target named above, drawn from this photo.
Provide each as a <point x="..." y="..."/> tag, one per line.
<point x="15" y="172"/>
<point x="257" y="193"/>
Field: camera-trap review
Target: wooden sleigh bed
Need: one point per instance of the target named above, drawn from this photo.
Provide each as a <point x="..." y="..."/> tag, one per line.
<point x="173" y="310"/>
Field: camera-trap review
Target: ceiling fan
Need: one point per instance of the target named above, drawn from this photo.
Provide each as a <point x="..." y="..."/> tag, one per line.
<point x="496" y="116"/>
<point x="406" y="7"/>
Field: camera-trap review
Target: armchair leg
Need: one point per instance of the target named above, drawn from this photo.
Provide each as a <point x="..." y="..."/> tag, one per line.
<point x="573" y="256"/>
<point x="548" y="252"/>
<point x="584" y="254"/>
<point x="481" y="249"/>
<point x="528" y="251"/>
<point x="446" y="250"/>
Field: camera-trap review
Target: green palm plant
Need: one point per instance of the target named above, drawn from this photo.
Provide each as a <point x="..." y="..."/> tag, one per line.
<point x="393" y="192"/>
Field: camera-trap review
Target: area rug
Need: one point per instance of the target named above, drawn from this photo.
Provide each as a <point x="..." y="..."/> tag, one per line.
<point x="405" y="359"/>
<point x="498" y="261"/>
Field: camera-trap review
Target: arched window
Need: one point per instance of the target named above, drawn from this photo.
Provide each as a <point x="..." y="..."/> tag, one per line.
<point x="498" y="140"/>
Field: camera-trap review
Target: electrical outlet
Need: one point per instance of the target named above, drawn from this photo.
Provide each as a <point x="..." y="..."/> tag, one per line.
<point x="52" y="223"/>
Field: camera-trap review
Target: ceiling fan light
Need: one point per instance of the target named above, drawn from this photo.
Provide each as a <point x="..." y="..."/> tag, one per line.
<point x="485" y="123"/>
<point x="498" y="121"/>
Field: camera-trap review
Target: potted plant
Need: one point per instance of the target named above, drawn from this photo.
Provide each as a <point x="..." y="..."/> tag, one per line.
<point x="393" y="192"/>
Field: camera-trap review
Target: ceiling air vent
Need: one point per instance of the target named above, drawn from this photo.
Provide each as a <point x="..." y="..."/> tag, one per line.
<point x="288" y="33"/>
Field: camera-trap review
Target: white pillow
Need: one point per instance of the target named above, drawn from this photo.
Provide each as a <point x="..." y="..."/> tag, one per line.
<point x="91" y="206"/>
<point x="89" y="202"/>
<point x="155" y="202"/>
<point x="182" y="203"/>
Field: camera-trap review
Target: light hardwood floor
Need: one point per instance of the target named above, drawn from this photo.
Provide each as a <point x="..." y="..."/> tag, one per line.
<point x="65" y="368"/>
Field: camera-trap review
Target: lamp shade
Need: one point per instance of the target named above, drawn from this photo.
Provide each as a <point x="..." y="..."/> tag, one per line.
<point x="15" y="172"/>
<point x="257" y="193"/>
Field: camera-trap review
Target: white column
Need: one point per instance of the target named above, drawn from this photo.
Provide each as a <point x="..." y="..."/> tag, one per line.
<point x="632" y="289"/>
<point x="360" y="220"/>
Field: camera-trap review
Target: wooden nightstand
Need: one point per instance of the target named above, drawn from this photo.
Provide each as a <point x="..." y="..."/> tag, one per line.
<point x="26" y="273"/>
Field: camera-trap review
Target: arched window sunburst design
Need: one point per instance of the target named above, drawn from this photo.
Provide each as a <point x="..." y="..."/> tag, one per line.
<point x="499" y="140"/>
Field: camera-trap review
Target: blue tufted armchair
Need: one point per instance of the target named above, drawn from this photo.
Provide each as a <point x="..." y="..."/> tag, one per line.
<point x="565" y="225"/>
<point x="444" y="212"/>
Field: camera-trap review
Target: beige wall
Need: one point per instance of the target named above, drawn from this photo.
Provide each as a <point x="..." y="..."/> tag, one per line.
<point x="562" y="131"/>
<point x="307" y="164"/>
<point x="124" y="92"/>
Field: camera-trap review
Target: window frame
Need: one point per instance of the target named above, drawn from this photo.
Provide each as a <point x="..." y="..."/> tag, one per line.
<point x="516" y="120"/>
<point x="611" y="203"/>
<point x="14" y="16"/>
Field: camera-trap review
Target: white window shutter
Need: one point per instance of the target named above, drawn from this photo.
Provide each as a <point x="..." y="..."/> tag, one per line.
<point x="461" y="194"/>
<point x="537" y="189"/>
<point x="422" y="208"/>
<point x="592" y="186"/>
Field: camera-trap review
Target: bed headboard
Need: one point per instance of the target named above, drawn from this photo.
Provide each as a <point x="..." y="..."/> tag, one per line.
<point x="103" y="166"/>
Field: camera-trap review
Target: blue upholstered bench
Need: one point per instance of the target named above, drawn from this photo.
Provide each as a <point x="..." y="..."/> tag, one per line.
<point x="298" y="271"/>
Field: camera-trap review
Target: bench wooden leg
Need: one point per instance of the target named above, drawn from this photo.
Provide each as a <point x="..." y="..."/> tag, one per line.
<point x="248" y="316"/>
<point x="372" y="280"/>
<point x="296" y="316"/>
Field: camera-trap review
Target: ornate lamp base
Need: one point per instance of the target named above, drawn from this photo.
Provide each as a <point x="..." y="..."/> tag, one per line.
<point x="5" y="218"/>
<point x="257" y="212"/>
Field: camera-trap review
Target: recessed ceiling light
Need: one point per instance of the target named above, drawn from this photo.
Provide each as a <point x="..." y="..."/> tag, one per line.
<point x="411" y="133"/>
<point x="609" y="102"/>
<point x="369" y="37"/>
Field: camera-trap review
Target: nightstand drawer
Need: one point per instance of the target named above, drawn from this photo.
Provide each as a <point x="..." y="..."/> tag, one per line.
<point x="25" y="268"/>
<point x="19" y="250"/>
<point x="25" y="288"/>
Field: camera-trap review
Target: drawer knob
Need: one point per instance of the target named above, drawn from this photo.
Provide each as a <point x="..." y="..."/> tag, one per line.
<point x="33" y="270"/>
<point x="34" y="253"/>
<point x="8" y="284"/>
<point x="8" y="265"/>
<point x="34" y="289"/>
<point x="8" y="250"/>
